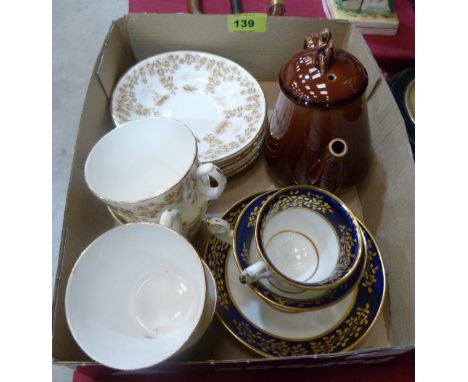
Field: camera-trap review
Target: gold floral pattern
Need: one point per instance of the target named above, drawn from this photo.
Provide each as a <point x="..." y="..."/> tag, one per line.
<point x="341" y="338"/>
<point x="245" y="254"/>
<point x="347" y="255"/>
<point x="181" y="196"/>
<point x="216" y="264"/>
<point x="370" y="275"/>
<point x="295" y="198"/>
<point x="268" y="345"/>
<point x="253" y="216"/>
<point x="150" y="210"/>
<point x="165" y="75"/>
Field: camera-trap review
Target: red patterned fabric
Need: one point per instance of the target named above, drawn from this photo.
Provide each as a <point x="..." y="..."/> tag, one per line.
<point x="392" y="53"/>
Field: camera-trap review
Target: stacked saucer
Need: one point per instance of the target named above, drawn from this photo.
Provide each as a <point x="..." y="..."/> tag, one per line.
<point x="297" y="273"/>
<point x="242" y="160"/>
<point x="217" y="99"/>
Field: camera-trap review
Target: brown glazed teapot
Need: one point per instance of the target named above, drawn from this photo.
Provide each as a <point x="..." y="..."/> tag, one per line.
<point x="319" y="131"/>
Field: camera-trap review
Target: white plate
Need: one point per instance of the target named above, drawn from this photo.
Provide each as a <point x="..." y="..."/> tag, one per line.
<point x="218" y="99"/>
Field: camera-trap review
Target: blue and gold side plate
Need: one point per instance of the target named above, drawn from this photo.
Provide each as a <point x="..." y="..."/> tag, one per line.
<point x="245" y="251"/>
<point x="274" y="333"/>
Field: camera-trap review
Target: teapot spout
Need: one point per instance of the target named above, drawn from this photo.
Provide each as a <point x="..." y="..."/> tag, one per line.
<point x="327" y="171"/>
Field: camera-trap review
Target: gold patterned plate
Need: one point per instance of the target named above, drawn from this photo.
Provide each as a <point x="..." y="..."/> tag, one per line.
<point x="243" y="163"/>
<point x="274" y="333"/>
<point x="219" y="100"/>
<point x="258" y="141"/>
<point x="252" y="150"/>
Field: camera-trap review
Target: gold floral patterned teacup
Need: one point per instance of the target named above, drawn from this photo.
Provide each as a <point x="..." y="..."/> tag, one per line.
<point x="145" y="167"/>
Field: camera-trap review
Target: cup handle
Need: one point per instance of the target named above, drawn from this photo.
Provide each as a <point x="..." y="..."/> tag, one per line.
<point x="254" y="272"/>
<point x="219" y="228"/>
<point x="209" y="170"/>
<point x="170" y="218"/>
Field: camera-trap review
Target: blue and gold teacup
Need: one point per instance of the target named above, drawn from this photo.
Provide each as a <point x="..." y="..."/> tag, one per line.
<point x="307" y="239"/>
<point x="299" y="248"/>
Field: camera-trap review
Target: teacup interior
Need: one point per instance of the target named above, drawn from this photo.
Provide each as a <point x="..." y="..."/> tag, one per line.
<point x="302" y="244"/>
<point x="135" y="296"/>
<point x="140" y="159"/>
<point x="162" y="303"/>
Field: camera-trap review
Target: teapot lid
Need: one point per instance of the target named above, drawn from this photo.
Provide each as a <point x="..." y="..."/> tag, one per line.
<point x="322" y="75"/>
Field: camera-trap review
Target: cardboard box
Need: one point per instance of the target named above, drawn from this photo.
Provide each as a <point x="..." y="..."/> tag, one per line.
<point x="384" y="200"/>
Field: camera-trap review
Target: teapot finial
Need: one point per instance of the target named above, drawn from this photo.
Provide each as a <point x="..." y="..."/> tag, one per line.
<point x="322" y="44"/>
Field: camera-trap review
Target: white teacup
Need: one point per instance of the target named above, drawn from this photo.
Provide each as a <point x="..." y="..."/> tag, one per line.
<point x="137" y="295"/>
<point x="144" y="167"/>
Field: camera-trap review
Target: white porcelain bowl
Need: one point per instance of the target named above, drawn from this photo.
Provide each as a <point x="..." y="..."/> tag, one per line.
<point x="135" y="296"/>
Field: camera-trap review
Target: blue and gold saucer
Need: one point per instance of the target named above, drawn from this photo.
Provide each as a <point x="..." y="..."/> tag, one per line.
<point x="246" y="253"/>
<point x="274" y="333"/>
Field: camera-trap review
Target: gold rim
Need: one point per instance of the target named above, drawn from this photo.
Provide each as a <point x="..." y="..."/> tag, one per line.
<point x="317" y="254"/>
<point x="119" y="202"/>
<point x="271" y="279"/>
<point x="279" y="275"/>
